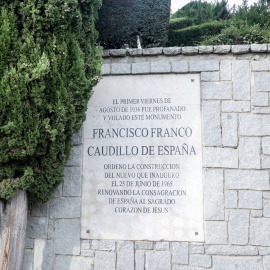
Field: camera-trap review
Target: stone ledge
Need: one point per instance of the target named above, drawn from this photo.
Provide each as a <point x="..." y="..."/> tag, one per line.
<point x="188" y="50"/>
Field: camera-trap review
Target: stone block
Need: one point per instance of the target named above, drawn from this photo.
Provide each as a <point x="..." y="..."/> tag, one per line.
<point x="264" y="251"/>
<point x="196" y="249"/>
<point x="240" y="49"/>
<point x="200" y="260"/>
<point x="222" y="49"/>
<point x="213" y="195"/>
<point x="29" y="243"/>
<point x="261" y="65"/>
<point x="121" y="69"/>
<point x="239" y="227"/>
<point x="231" y="250"/>
<point x="239" y="263"/>
<point x="266" y="195"/>
<point x="261" y="81"/>
<point x="232" y="106"/>
<point x="37" y="228"/>
<point x="106" y="53"/>
<point x="206" y="65"/>
<point x="85" y="244"/>
<point x="58" y="192"/>
<point x="88" y="253"/>
<point x="260" y="110"/>
<point x="241" y="79"/>
<point x="125" y="255"/>
<point x="231" y="199"/>
<point x="180" y="67"/>
<point x="134" y="52"/>
<point x="211" y="123"/>
<point x="65" y="207"/>
<point x="249" y="153"/>
<point x="144" y="245"/>
<point x="216" y="233"/>
<point x="254" y="125"/>
<point x="250" y="199"/>
<point x="39" y="210"/>
<point x="106" y="69"/>
<point x="28" y="259"/>
<point x="258" y="48"/>
<point x="190" y="50"/>
<point x="216" y="90"/>
<point x="256" y="213"/>
<point x="73" y="263"/>
<point x="139" y="260"/>
<point x="43" y="256"/>
<point x="181" y="267"/>
<point x="158" y="260"/>
<point x="118" y="52"/>
<point x="266" y="208"/>
<point x="206" y="49"/>
<point x="160" y="246"/>
<point x="77" y="138"/>
<point x="67" y="237"/>
<point x="161" y="67"/>
<point x="106" y="245"/>
<point x="172" y="51"/>
<point x="140" y="68"/>
<point x="72" y="181"/>
<point x="220" y="157"/>
<point x="243" y="179"/>
<point x="229" y="130"/>
<point x="259" y="232"/>
<point x="180" y="253"/>
<point x="210" y="76"/>
<point x="75" y="158"/>
<point x="266" y="145"/>
<point x="266" y="262"/>
<point x="50" y="233"/>
<point x="260" y="99"/>
<point x="225" y="70"/>
<point x="266" y="162"/>
<point x="152" y="51"/>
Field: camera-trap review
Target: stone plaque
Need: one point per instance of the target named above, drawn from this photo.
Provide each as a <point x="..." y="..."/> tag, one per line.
<point x="142" y="159"/>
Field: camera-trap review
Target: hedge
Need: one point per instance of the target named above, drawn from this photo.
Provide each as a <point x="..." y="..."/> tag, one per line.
<point x="120" y="21"/>
<point x="192" y="35"/>
<point x="180" y="23"/>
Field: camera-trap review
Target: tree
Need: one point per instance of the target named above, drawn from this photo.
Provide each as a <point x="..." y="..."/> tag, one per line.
<point x="121" y="21"/>
<point x="49" y="63"/>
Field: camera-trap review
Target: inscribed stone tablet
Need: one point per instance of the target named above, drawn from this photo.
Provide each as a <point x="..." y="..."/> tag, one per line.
<point x="142" y="159"/>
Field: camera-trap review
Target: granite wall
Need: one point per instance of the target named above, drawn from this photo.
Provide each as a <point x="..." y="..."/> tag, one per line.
<point x="235" y="87"/>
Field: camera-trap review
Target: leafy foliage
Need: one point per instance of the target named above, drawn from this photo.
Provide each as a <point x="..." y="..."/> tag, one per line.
<point x="194" y="34"/>
<point x="244" y="24"/>
<point x="180" y="23"/>
<point x="120" y="21"/>
<point x="240" y="33"/>
<point x="48" y="66"/>
<point x="200" y="11"/>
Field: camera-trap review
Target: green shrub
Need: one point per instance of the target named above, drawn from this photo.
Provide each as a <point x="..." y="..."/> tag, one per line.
<point x="120" y="21"/>
<point x="192" y="35"/>
<point x="201" y="11"/>
<point x="180" y="23"/>
<point x="240" y="33"/>
<point x="48" y="65"/>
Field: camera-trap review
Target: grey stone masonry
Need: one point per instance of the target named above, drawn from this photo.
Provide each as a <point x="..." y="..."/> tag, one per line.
<point x="235" y="122"/>
<point x="241" y="80"/>
<point x="211" y="123"/>
<point x="213" y="195"/>
<point x="239" y="227"/>
<point x="240" y="49"/>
